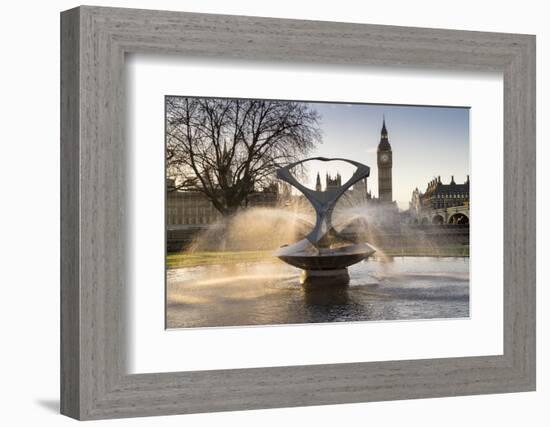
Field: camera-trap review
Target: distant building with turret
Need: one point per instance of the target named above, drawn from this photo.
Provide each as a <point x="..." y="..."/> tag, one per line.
<point x="318" y="183"/>
<point x="333" y="183"/>
<point x="330" y="182"/>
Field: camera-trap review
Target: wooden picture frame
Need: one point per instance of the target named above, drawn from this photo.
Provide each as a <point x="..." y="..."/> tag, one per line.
<point x="94" y="382"/>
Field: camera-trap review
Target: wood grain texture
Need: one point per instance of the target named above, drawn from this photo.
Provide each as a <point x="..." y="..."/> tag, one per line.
<point x="70" y="292"/>
<point x="94" y="272"/>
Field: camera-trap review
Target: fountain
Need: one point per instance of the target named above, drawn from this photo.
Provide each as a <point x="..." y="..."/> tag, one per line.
<point x="324" y="255"/>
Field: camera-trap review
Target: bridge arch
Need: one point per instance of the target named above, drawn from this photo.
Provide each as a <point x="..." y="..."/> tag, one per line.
<point x="438" y="219"/>
<point x="459" y="218"/>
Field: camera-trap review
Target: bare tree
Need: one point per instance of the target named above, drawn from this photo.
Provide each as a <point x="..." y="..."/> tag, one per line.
<point x="229" y="148"/>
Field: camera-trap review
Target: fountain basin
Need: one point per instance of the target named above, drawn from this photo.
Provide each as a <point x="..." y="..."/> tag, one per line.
<point x="307" y="257"/>
<point x="323" y="266"/>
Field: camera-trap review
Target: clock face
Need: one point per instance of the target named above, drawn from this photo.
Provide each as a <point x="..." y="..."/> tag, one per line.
<point x="384" y="158"/>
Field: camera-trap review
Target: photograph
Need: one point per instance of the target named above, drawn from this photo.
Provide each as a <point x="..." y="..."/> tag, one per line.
<point x="282" y="212"/>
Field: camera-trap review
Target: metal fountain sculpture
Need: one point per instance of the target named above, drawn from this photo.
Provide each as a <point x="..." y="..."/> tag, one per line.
<point x="324" y="254"/>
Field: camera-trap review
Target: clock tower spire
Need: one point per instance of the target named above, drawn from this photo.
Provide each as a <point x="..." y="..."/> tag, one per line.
<point x="384" y="157"/>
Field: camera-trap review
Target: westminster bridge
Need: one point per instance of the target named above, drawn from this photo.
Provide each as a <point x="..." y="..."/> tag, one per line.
<point x="455" y="215"/>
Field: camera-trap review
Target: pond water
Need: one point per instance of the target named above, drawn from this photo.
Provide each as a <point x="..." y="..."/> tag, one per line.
<point x="270" y="293"/>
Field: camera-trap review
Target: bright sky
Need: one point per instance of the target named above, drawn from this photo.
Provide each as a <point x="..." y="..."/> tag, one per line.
<point x="426" y="142"/>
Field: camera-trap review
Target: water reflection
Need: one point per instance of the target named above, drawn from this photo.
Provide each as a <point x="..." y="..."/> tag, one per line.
<point x="269" y="293"/>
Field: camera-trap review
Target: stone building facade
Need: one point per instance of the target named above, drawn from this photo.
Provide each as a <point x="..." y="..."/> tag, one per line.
<point x="193" y="208"/>
<point x="441" y="203"/>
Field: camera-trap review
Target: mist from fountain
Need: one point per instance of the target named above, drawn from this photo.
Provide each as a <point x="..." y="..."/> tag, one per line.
<point x="255" y="229"/>
<point x="410" y="239"/>
<point x="268" y="228"/>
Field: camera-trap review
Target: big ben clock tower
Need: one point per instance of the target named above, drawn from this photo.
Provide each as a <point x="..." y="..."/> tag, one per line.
<point x="384" y="156"/>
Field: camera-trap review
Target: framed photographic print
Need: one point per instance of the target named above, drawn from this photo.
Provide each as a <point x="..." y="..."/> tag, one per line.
<point x="262" y="213"/>
<point x="399" y="254"/>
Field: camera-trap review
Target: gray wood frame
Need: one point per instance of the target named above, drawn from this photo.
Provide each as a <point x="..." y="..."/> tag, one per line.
<point x="94" y="382"/>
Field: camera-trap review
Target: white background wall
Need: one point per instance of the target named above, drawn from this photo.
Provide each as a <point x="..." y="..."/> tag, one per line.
<point x="29" y="212"/>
